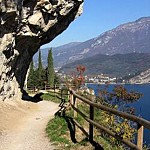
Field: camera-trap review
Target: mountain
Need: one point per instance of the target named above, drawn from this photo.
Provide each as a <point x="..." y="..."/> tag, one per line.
<point x="56" y="52"/>
<point x="120" y="65"/>
<point x="126" y="38"/>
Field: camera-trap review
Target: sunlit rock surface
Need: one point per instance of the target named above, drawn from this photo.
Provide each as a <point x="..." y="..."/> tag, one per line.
<point x="25" y="26"/>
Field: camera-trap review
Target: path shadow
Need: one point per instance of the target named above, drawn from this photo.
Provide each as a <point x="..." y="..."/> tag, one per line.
<point x="36" y="98"/>
<point x="70" y="123"/>
<point x="96" y="145"/>
<point x="72" y="129"/>
<point x="61" y="111"/>
<point x="72" y="126"/>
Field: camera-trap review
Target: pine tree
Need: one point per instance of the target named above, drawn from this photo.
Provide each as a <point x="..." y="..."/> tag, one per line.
<point x="50" y="69"/>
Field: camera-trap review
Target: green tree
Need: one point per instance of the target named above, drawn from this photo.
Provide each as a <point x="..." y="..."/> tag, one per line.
<point x="32" y="77"/>
<point x="50" y="69"/>
<point x="40" y="67"/>
<point x="41" y="72"/>
<point x="37" y="77"/>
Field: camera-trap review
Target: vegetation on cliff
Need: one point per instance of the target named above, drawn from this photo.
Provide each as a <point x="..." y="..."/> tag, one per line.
<point x="119" y="65"/>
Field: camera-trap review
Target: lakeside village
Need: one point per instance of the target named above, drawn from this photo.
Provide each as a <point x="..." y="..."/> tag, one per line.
<point x="93" y="79"/>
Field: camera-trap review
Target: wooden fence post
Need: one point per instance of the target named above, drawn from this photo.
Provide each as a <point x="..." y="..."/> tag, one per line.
<point x="140" y="137"/>
<point x="75" y="105"/>
<point x="71" y="97"/>
<point x="92" y="118"/>
<point x="90" y="125"/>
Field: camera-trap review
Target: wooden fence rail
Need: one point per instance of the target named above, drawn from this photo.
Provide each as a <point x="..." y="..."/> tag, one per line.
<point x="140" y="121"/>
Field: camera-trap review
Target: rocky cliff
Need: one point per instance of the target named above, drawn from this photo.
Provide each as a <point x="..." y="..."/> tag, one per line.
<point x="24" y="27"/>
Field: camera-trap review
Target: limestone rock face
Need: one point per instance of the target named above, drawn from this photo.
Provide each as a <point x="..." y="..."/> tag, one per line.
<point x="25" y="26"/>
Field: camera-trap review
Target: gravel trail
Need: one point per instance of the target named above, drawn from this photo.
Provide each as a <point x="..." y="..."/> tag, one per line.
<point x="29" y="134"/>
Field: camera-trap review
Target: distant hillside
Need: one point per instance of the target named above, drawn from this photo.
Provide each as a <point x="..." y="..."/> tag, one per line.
<point x="126" y="38"/>
<point x="56" y="52"/>
<point x="143" y="77"/>
<point x="119" y="65"/>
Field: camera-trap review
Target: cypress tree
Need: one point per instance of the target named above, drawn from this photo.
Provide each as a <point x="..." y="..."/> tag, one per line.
<point x="30" y="82"/>
<point x="31" y="72"/>
<point x="50" y="69"/>
<point x="40" y="67"/>
<point x="40" y="72"/>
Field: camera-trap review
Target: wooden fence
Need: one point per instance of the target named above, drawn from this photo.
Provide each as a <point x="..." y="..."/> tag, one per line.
<point x="141" y="123"/>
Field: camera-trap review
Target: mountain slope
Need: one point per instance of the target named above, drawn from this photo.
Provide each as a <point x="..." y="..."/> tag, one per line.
<point x="143" y="77"/>
<point x="56" y="52"/>
<point x="126" y="38"/>
<point x="119" y="65"/>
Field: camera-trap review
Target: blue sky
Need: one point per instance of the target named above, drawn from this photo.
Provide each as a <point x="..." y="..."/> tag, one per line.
<point x="100" y="16"/>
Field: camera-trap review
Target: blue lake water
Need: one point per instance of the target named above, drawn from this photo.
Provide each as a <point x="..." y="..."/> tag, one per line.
<point x="142" y="106"/>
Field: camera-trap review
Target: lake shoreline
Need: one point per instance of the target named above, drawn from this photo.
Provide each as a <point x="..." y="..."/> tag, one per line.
<point x="118" y="83"/>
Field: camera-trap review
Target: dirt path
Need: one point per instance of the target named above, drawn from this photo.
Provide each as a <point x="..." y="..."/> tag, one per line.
<point x="28" y="129"/>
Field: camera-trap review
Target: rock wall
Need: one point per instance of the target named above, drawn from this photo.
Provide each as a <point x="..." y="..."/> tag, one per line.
<point x="25" y="26"/>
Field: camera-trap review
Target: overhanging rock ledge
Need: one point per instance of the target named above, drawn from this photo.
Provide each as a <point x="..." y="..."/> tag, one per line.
<point x="25" y="25"/>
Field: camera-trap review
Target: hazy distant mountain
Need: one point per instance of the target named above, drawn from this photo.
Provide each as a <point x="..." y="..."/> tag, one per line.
<point x="126" y="38"/>
<point x="119" y="65"/>
<point x="56" y="52"/>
